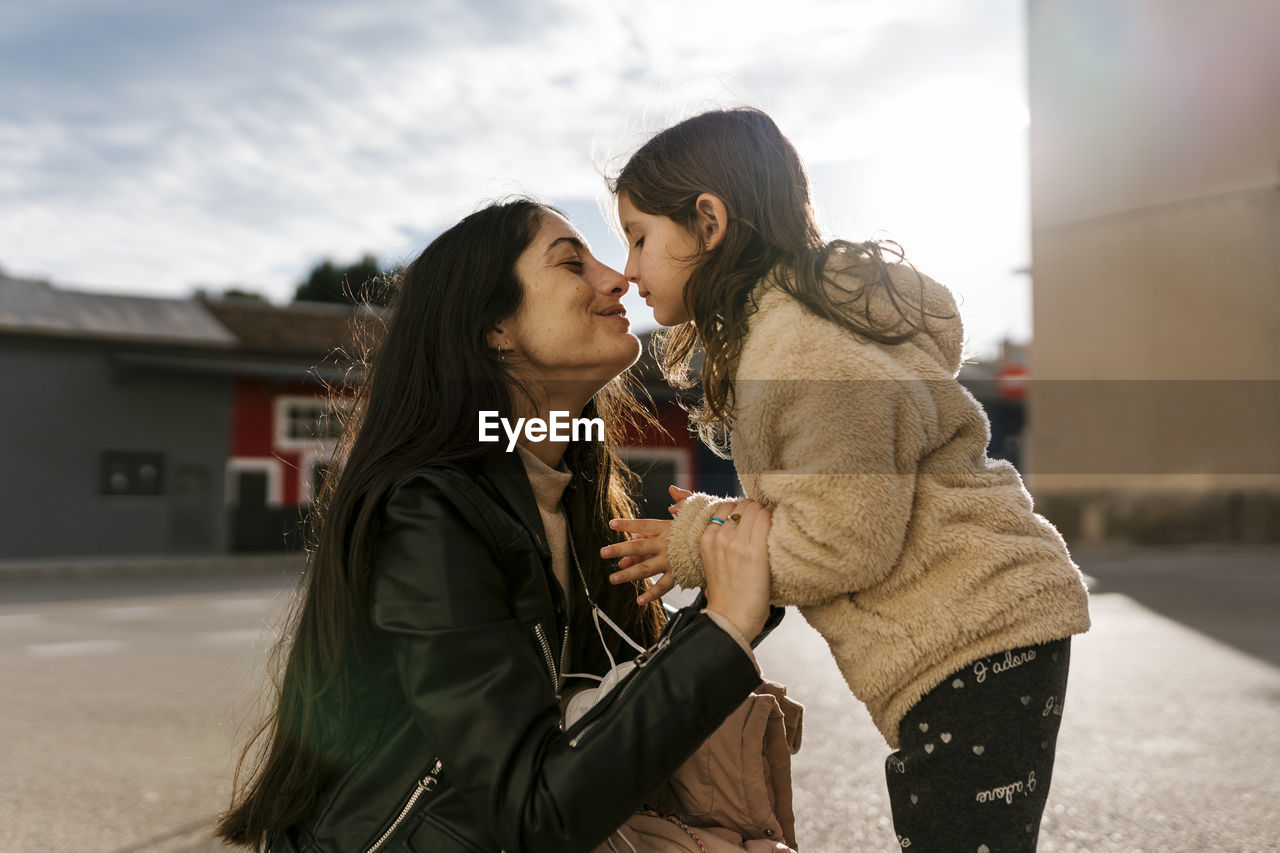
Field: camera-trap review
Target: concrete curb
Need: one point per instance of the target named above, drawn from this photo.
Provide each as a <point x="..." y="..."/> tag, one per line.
<point x="151" y="565"/>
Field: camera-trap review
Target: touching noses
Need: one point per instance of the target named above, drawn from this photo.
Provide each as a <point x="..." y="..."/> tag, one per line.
<point x="612" y="281"/>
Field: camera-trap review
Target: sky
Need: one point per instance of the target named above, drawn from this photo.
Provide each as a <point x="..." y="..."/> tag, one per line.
<point x="151" y="147"/>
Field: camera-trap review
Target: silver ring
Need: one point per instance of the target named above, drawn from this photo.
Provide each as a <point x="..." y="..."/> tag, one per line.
<point x="735" y="518"/>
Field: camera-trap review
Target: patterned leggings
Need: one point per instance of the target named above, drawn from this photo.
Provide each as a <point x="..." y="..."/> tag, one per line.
<point x="976" y="755"/>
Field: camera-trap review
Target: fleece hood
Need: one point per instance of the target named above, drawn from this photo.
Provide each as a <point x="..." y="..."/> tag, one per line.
<point x="943" y="333"/>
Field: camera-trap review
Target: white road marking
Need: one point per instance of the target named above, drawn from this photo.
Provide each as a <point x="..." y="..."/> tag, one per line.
<point x="74" y="649"/>
<point x="134" y="613"/>
<point x="243" y="605"/>
<point x="21" y="620"/>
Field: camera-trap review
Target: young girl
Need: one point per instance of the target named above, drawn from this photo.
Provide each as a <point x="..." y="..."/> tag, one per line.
<point x="946" y="601"/>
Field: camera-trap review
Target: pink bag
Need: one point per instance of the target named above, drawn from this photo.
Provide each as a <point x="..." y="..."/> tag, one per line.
<point x="733" y="794"/>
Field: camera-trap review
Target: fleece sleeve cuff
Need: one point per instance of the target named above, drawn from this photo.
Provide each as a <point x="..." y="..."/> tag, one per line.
<point x="683" y="552"/>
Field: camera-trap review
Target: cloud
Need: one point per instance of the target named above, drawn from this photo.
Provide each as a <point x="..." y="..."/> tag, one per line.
<point x="152" y="146"/>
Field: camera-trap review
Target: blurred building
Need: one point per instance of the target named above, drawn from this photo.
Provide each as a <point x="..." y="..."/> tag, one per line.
<point x="106" y="449"/>
<point x="1155" y="189"/>
<point x="293" y="364"/>
<point x="137" y="425"/>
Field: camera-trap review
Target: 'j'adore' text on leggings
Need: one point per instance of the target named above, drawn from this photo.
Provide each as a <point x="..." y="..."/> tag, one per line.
<point x="976" y="754"/>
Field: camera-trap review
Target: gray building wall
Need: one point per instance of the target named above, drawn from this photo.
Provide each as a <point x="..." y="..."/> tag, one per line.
<point x="65" y="403"/>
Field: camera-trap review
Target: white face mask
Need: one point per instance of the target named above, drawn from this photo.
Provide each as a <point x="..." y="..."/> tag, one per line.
<point x="582" y="701"/>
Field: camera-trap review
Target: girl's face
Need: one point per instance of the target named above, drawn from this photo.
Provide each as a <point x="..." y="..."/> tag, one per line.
<point x="659" y="259"/>
<point x="571" y="326"/>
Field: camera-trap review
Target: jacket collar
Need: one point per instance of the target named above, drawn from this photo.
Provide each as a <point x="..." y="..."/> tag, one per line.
<point x="505" y="472"/>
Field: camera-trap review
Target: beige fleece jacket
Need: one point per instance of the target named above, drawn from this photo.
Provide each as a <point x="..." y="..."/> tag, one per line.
<point x="910" y="551"/>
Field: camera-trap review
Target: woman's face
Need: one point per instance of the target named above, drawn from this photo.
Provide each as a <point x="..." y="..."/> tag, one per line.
<point x="571" y="326"/>
<point x="658" y="260"/>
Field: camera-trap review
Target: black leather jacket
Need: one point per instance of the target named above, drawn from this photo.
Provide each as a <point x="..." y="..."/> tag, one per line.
<point x="465" y="752"/>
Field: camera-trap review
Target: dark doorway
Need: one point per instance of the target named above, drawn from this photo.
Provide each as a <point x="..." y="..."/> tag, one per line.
<point x="256" y="526"/>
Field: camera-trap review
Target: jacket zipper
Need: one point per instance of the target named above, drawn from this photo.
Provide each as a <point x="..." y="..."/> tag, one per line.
<point x="547" y="657"/>
<point x="564" y="653"/>
<point x="641" y="661"/>
<point x="425" y="785"/>
<point x="564" y="666"/>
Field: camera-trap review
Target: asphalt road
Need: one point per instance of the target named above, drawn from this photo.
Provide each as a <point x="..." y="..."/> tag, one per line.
<point x="121" y="702"/>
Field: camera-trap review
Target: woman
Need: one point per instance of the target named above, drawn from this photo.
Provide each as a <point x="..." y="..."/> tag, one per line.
<point x="419" y="705"/>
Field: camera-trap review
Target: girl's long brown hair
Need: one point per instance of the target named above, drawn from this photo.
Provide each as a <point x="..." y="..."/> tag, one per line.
<point x="741" y="156"/>
<point x="426" y="376"/>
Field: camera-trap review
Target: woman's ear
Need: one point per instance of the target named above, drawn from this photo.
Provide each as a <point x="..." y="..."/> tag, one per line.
<point x="712" y="217"/>
<point x="496" y="338"/>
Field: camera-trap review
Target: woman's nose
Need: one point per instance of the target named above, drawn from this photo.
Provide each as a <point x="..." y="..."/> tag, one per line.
<point x="612" y="281"/>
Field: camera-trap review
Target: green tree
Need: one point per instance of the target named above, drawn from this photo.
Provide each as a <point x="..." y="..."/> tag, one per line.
<point x="359" y="282"/>
<point x="237" y="292"/>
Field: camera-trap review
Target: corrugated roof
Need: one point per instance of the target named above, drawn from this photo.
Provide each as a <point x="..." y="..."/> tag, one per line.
<point x="28" y="306"/>
<point x="312" y="329"/>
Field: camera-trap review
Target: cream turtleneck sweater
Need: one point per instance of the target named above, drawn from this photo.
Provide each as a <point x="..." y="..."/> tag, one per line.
<point x="548" y="487"/>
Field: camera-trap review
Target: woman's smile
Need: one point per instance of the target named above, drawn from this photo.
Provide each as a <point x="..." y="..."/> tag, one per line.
<point x="615" y="313"/>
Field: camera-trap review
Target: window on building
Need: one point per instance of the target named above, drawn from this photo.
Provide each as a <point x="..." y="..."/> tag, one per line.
<point x="131" y="472"/>
<point x="311" y="420"/>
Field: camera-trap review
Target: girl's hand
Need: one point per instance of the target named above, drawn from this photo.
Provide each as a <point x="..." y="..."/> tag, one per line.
<point x="644" y="555"/>
<point x="678" y="495"/>
<point x="736" y="559"/>
<point x="647" y="560"/>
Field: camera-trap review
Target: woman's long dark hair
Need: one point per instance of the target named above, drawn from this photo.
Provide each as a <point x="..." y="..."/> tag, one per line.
<point x="430" y="373"/>
<point x="742" y="157"/>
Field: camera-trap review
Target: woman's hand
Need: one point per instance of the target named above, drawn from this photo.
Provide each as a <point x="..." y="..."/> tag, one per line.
<point x="736" y="559"/>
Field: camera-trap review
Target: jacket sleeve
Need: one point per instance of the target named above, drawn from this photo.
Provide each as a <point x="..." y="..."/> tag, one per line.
<point x="838" y="466"/>
<point x="484" y="699"/>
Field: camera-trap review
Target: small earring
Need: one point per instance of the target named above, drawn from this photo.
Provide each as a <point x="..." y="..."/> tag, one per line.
<point x="708" y="245"/>
<point x="502" y="353"/>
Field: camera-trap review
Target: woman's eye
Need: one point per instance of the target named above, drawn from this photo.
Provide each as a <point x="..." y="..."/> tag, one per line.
<point x="576" y="264"/>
